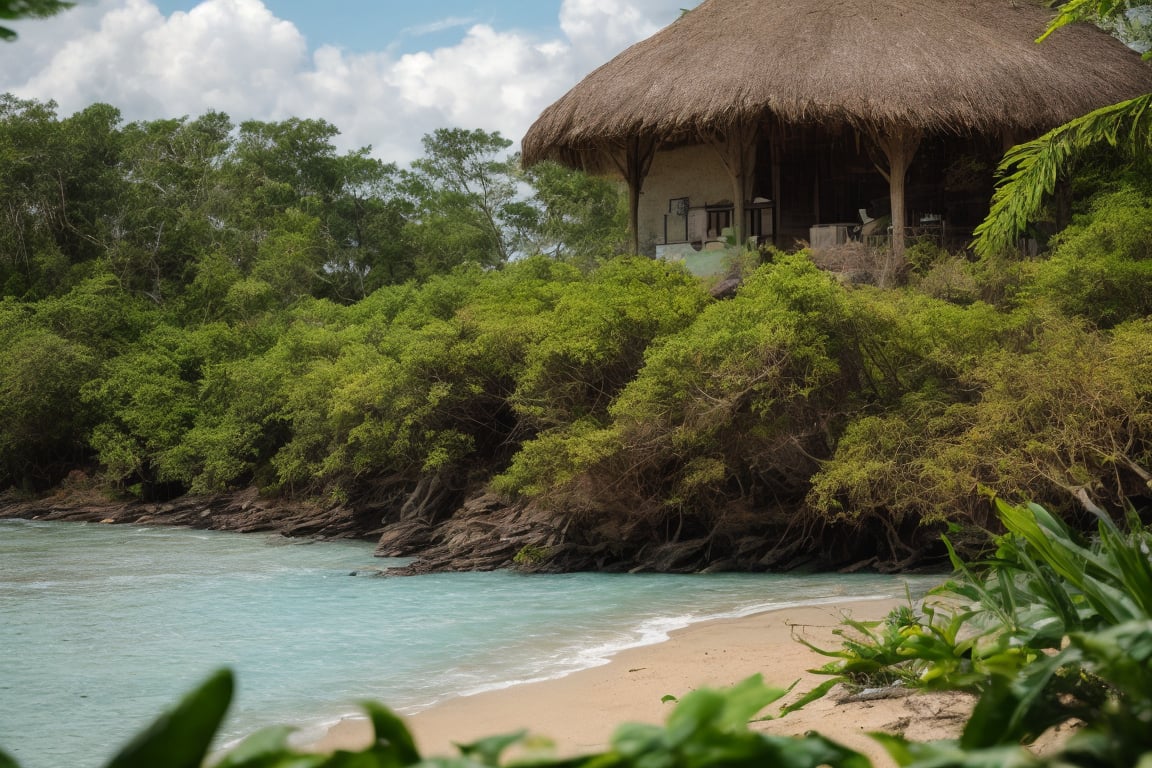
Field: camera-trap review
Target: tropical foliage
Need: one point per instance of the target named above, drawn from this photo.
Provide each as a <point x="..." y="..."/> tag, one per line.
<point x="21" y="9"/>
<point x="1049" y="630"/>
<point x="708" y="728"/>
<point x="1030" y="171"/>
<point x="192" y="305"/>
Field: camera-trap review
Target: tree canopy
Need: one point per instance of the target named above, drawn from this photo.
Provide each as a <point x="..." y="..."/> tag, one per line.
<point x="11" y="10"/>
<point x="192" y="305"/>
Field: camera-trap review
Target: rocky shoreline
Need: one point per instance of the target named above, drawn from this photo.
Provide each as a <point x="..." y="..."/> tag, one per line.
<point x="484" y="532"/>
<point x="239" y="512"/>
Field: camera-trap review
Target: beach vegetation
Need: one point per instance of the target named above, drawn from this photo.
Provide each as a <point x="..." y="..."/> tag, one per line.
<point x="1049" y="629"/>
<point x="707" y="729"/>
<point x="195" y="306"/>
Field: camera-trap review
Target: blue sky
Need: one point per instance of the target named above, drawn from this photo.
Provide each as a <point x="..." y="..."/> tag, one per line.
<point x="364" y="25"/>
<point x="385" y="73"/>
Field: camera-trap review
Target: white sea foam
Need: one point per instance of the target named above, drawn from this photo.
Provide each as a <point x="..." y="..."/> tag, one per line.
<point x="572" y="659"/>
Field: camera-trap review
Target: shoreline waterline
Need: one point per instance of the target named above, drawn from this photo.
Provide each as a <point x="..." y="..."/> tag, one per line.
<point x="115" y="623"/>
<point x="679" y="658"/>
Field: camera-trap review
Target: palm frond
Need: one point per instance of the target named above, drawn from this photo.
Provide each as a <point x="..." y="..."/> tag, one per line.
<point x="1081" y="10"/>
<point x="1126" y="19"/>
<point x="1029" y="171"/>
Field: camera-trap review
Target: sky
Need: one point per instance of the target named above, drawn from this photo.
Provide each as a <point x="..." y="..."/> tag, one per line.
<point x="385" y="72"/>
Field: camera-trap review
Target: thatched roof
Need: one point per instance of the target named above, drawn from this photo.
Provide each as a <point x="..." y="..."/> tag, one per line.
<point x="938" y="65"/>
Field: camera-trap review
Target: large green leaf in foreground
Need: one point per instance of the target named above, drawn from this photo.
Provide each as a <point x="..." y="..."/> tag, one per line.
<point x="181" y="738"/>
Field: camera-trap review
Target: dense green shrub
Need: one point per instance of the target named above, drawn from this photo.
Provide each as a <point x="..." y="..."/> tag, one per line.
<point x="42" y="421"/>
<point x="1048" y="631"/>
<point x="1066" y="417"/>
<point x="593" y="341"/>
<point x="49" y="350"/>
<point x="734" y="402"/>
<point x="1101" y="266"/>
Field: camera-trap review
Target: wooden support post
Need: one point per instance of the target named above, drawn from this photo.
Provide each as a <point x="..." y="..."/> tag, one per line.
<point x="736" y="147"/>
<point x="777" y="147"/>
<point x="899" y="145"/>
<point x="633" y="159"/>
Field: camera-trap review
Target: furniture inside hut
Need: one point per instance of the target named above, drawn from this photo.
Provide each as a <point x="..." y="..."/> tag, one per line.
<point x="821" y="186"/>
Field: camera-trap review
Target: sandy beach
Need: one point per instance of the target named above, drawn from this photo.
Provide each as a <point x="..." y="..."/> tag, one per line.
<point x="579" y="712"/>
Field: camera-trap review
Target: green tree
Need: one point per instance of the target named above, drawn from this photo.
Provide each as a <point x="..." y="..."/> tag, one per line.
<point x="274" y="167"/>
<point x="59" y="183"/>
<point x="291" y="256"/>
<point x="91" y="178"/>
<point x="365" y="223"/>
<point x="42" y="422"/>
<point x="10" y="10"/>
<point x="167" y="217"/>
<point x="30" y="259"/>
<point x="292" y="166"/>
<point x="465" y="201"/>
<point x="583" y="219"/>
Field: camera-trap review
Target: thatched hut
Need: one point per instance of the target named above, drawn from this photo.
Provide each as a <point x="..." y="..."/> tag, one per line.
<point x="772" y="116"/>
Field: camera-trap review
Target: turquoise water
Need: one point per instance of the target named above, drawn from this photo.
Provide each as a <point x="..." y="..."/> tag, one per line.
<point x="102" y="627"/>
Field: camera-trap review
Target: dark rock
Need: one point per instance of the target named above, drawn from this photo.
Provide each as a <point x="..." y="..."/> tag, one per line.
<point x="404" y="539"/>
<point x="486" y="531"/>
<point x="675" y="557"/>
<point x="240" y="511"/>
<point x="727" y="288"/>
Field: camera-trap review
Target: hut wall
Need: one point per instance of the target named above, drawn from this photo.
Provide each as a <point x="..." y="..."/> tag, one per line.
<point x="695" y="173"/>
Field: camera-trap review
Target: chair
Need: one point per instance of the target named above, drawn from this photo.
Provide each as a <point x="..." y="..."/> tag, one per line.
<point x="868" y="226"/>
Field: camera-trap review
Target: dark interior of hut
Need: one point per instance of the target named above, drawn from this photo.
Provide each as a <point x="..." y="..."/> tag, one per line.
<point x="833" y="178"/>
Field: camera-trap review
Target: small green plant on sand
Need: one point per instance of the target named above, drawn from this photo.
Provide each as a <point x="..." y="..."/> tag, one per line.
<point x="1051" y="630"/>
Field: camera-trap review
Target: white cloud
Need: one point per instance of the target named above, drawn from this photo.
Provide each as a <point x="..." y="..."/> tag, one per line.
<point x="439" y="25"/>
<point x="599" y="29"/>
<point x="236" y="56"/>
